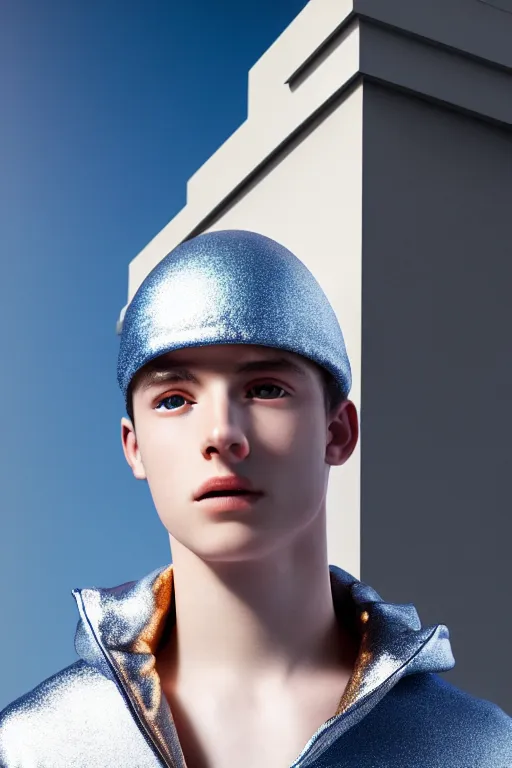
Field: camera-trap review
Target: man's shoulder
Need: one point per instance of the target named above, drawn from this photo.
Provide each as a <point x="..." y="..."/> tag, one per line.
<point x="441" y="699"/>
<point x="61" y="702"/>
<point x="66" y="718"/>
<point x="55" y="692"/>
<point x="444" y="699"/>
<point x="426" y="722"/>
<point x="453" y="719"/>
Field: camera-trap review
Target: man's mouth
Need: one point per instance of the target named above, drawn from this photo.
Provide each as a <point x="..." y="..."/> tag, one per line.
<point x="214" y="494"/>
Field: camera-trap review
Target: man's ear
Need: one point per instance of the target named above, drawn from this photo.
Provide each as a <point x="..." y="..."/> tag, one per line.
<point x="343" y="432"/>
<point x="131" y="449"/>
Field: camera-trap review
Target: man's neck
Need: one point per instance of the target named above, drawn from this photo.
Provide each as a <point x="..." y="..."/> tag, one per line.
<point x="257" y="622"/>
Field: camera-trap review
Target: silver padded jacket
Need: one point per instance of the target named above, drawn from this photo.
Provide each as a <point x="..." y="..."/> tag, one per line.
<point x="107" y="710"/>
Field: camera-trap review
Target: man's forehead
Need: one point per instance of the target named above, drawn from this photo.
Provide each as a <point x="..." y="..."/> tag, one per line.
<point x="228" y="354"/>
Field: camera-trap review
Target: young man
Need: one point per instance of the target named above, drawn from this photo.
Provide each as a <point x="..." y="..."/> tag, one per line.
<point x="250" y="650"/>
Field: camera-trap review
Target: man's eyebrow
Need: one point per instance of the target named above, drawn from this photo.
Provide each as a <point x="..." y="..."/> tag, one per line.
<point x="169" y="373"/>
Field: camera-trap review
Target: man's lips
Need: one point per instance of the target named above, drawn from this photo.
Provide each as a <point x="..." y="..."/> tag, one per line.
<point x="229" y="501"/>
<point x="227" y="485"/>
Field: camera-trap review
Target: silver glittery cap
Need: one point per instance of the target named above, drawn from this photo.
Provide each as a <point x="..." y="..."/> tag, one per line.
<point x="231" y="287"/>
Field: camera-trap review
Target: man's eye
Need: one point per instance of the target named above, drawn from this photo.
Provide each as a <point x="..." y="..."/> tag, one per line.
<point x="171" y="403"/>
<point x="264" y="388"/>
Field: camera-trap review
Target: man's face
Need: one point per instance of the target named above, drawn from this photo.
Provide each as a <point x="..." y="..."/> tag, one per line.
<point x="252" y="411"/>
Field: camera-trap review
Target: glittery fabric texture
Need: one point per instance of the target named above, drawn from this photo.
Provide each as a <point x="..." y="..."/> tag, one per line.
<point x="107" y="709"/>
<point x="231" y="287"/>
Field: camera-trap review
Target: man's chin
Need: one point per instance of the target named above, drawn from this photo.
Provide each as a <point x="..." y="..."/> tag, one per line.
<point x="243" y="545"/>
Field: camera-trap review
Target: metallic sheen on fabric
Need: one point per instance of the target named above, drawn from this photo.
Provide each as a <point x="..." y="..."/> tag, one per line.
<point x="107" y="709"/>
<point x="231" y="287"/>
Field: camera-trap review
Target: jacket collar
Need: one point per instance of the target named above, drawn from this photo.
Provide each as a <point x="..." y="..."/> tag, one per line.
<point x="120" y="629"/>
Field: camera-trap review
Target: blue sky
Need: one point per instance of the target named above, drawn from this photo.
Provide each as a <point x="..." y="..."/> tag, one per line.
<point x="105" y="115"/>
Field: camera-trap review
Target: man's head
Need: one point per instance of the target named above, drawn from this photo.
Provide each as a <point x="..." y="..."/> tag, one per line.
<point x="261" y="390"/>
<point x="251" y="411"/>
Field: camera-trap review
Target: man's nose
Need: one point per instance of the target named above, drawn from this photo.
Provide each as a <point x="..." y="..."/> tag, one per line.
<point x="225" y="430"/>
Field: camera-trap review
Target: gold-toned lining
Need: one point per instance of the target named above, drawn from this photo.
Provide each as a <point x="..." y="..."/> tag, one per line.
<point x="149" y="639"/>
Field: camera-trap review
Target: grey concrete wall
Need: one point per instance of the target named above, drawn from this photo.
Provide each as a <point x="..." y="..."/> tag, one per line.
<point x="481" y="28"/>
<point x="436" y="398"/>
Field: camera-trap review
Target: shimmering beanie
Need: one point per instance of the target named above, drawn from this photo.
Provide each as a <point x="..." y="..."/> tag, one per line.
<point x="231" y="287"/>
